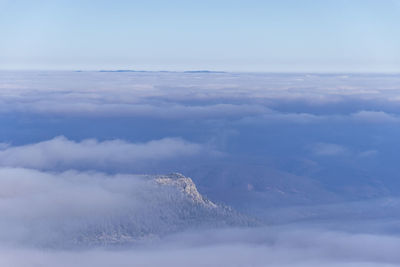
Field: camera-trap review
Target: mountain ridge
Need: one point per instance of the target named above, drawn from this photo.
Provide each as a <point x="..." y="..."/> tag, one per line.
<point x="172" y="205"/>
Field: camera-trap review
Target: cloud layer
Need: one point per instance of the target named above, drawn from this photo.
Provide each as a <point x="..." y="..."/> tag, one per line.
<point x="187" y="95"/>
<point x="336" y="133"/>
<point x="74" y="210"/>
<point x="285" y="148"/>
<point x="233" y="247"/>
<point x="40" y="208"/>
<point x="60" y="153"/>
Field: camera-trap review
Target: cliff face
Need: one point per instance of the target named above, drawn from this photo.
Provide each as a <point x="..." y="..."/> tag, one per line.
<point x="186" y="186"/>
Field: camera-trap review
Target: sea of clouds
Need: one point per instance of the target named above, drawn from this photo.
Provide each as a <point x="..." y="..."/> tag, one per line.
<point x="314" y="157"/>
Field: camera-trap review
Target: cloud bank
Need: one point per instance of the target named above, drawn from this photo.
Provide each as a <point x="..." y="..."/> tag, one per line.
<point x="298" y="148"/>
<point x="75" y="210"/>
<point x="202" y="96"/>
<point x="60" y="153"/>
<point x="257" y="247"/>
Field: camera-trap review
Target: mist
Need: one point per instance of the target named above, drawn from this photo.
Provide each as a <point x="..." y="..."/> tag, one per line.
<point x="287" y="246"/>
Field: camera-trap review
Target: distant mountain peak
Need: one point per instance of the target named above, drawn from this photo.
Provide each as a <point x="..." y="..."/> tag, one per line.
<point x="166" y="204"/>
<point x="186" y="186"/>
<point x="203" y="71"/>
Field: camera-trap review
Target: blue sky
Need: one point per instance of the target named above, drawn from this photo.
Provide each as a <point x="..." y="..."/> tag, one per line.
<point x="286" y="35"/>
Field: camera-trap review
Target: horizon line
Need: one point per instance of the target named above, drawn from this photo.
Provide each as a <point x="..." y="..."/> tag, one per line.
<point x="200" y="71"/>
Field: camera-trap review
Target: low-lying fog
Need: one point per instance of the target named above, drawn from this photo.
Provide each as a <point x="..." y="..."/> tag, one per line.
<point x="310" y="162"/>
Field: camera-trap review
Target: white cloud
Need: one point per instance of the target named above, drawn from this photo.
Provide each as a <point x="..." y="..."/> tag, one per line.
<point x="177" y="95"/>
<point x="84" y="209"/>
<point x="61" y="153"/>
<point x="233" y="247"/>
<point x="40" y="207"/>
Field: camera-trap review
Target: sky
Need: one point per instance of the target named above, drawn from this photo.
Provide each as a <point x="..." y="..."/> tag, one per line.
<point x="270" y="36"/>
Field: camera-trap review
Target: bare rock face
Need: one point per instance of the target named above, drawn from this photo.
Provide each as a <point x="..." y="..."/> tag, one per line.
<point x="186" y="186"/>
